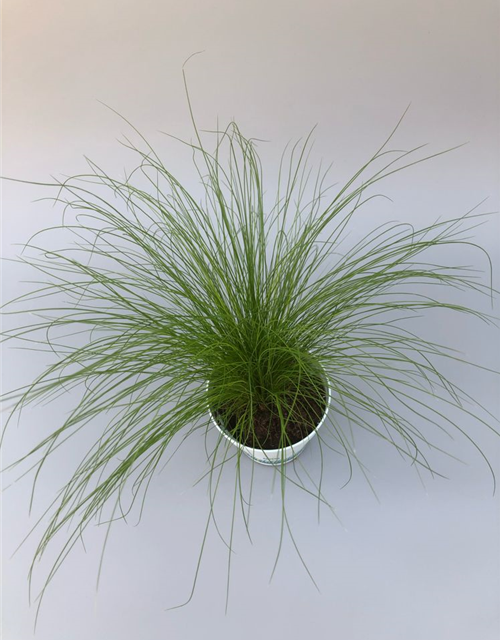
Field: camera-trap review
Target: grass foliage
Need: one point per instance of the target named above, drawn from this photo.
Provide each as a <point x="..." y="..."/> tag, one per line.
<point x="154" y="291"/>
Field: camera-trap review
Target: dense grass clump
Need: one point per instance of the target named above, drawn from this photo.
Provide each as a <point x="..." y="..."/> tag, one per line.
<point x="172" y="292"/>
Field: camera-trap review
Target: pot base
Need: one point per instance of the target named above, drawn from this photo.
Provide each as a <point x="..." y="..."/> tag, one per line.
<point x="273" y="462"/>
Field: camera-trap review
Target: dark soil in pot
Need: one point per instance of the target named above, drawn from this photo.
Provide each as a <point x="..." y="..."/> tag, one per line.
<point x="301" y="420"/>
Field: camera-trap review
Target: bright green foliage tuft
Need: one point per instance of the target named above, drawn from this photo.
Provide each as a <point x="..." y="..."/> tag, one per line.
<point x="171" y="291"/>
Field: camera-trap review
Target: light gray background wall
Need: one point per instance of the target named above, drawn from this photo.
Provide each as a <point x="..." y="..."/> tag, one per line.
<point x="424" y="563"/>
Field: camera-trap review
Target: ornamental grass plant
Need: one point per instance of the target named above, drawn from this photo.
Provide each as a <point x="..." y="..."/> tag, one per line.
<point x="159" y="305"/>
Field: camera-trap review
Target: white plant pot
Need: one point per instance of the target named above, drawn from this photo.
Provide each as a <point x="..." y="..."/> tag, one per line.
<point x="285" y="454"/>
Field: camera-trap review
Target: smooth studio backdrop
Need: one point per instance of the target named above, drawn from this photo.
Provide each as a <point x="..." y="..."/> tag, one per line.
<point x="424" y="562"/>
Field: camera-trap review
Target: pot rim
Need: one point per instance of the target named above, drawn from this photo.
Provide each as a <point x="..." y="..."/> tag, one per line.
<point x="290" y="448"/>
